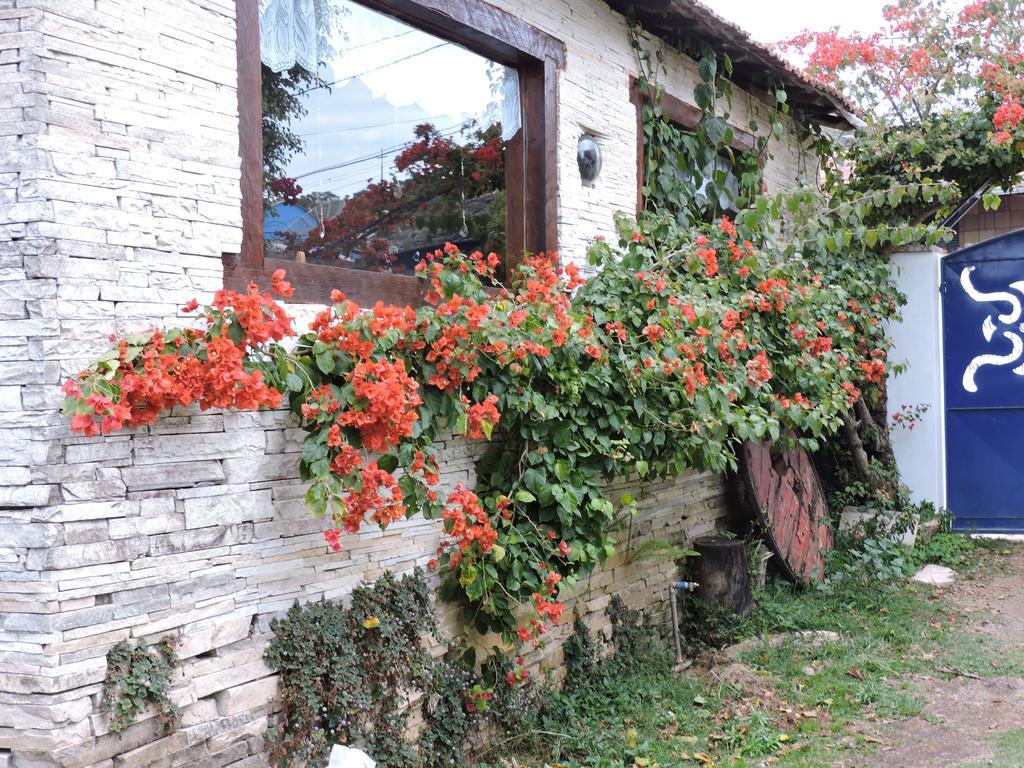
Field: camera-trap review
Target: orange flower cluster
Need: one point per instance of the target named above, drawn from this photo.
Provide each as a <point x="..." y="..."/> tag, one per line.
<point x="759" y="370"/>
<point x="155" y="372"/>
<point x="482" y="417"/>
<point x="467" y="523"/>
<point x="336" y="326"/>
<point x="772" y="295"/>
<point x="709" y="256"/>
<point x="546" y="609"/>
<point x="873" y="370"/>
<point x="376" y="498"/>
<point x="385" y="406"/>
<point x="452" y="354"/>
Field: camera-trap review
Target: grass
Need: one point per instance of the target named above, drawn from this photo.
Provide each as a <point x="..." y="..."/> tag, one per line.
<point x="646" y="718"/>
<point x="798" y="704"/>
<point x="1009" y="751"/>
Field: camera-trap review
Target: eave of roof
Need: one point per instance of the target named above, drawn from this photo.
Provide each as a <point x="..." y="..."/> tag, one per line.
<point x="755" y="67"/>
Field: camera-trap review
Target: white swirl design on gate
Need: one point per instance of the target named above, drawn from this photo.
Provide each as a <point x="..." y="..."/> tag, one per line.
<point x="988" y="328"/>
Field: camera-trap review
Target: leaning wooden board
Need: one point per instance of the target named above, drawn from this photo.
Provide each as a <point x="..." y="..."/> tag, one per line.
<point x="781" y="485"/>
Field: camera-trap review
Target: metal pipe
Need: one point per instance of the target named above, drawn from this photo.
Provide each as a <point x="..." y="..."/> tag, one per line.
<point x="679" y="586"/>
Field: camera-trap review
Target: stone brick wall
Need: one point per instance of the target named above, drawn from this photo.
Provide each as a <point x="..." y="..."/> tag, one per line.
<point x="118" y="192"/>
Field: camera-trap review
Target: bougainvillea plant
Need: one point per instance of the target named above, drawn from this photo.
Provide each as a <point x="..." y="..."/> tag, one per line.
<point x="930" y="57"/>
<point x="685" y="343"/>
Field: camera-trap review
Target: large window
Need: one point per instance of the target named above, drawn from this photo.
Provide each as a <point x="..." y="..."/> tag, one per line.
<point x="386" y="129"/>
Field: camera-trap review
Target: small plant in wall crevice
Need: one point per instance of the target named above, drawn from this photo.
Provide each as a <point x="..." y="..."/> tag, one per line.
<point x="138" y="675"/>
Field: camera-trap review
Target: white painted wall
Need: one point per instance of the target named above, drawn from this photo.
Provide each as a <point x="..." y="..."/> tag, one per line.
<point x="917" y="342"/>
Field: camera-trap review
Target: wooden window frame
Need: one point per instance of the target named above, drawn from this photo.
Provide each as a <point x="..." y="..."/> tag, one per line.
<point x="679" y="112"/>
<point x="530" y="156"/>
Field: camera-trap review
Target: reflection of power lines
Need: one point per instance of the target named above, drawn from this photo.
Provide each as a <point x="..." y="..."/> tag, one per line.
<point x="375" y="125"/>
<point x="368" y="43"/>
<point x="447" y="133"/>
<point x="370" y="71"/>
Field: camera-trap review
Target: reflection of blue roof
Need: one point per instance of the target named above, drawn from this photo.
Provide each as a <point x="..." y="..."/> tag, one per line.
<point x="286" y="218"/>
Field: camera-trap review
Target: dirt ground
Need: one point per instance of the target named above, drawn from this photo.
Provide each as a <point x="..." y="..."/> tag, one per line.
<point x="963" y="716"/>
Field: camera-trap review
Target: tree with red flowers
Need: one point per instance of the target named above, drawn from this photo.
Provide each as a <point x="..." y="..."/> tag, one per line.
<point x="941" y="86"/>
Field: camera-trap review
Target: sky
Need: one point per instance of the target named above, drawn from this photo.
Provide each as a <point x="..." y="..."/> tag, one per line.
<point x="387" y="77"/>
<point x="768" y="21"/>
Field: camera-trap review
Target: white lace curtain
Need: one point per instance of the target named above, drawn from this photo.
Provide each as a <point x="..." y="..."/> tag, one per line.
<point x="511" y="112"/>
<point x="288" y="34"/>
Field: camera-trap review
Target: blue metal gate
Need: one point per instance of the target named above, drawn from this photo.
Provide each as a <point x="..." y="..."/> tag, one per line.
<point x="983" y="350"/>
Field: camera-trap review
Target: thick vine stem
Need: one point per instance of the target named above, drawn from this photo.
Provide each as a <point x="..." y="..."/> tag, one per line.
<point x="860" y="456"/>
<point x="879" y="435"/>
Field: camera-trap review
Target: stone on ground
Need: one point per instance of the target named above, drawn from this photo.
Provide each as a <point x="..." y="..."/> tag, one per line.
<point x="935" y="575"/>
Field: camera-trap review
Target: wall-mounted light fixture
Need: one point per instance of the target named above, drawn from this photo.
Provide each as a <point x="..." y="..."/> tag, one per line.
<point x="588" y="158"/>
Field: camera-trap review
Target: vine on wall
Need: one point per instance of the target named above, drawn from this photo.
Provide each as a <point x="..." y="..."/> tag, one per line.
<point x="139" y="675"/>
<point x="844" y="237"/>
<point x="686" y="342"/>
<point x="696" y="174"/>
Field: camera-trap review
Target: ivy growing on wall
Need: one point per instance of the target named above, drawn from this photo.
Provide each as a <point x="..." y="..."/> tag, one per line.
<point x="345" y="672"/>
<point x="139" y="675"/>
<point x="697" y="174"/>
<point x="349" y="675"/>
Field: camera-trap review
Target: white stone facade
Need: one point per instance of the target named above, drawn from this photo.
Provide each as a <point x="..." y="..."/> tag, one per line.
<point x="119" y="190"/>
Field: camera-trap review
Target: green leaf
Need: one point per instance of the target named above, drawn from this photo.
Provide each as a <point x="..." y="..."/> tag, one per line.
<point x="325" y="361"/>
<point x="991" y="200"/>
<point x="704" y="96"/>
<point x="707" y="67"/>
<point x="525" y="496"/>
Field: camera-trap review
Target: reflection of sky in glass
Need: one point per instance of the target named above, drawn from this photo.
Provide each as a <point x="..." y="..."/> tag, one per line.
<point x="386" y="77"/>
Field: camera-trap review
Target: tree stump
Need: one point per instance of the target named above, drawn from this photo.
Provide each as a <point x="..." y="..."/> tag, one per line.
<point x="724" y="574"/>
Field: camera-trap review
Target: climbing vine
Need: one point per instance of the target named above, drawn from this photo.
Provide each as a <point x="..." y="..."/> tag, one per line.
<point x="685" y="342"/>
<point x="346" y="672"/>
<point x="348" y="675"/>
<point x="696" y="174"/>
<point x="139" y="675"/>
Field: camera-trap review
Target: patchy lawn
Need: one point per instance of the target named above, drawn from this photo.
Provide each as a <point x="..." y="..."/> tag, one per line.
<point x="915" y="676"/>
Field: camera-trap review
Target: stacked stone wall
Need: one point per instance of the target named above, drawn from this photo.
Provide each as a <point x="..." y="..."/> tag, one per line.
<point x="119" y="190"/>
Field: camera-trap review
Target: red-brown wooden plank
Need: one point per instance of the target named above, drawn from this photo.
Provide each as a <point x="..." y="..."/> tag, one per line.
<point x="783" y="487"/>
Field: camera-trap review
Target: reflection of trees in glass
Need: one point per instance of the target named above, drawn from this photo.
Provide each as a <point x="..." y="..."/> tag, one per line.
<point x="282" y="104"/>
<point x="441" y="188"/>
<point x="282" y="96"/>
